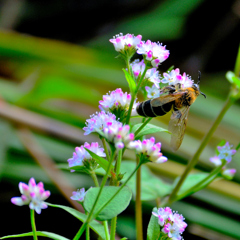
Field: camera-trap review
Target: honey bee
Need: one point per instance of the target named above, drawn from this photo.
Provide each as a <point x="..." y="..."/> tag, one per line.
<point x="177" y="99"/>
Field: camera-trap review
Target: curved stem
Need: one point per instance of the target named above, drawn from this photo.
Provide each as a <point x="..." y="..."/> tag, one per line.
<point x="33" y="224"/>
<point x="204" y="142"/>
<point x="94" y="177"/>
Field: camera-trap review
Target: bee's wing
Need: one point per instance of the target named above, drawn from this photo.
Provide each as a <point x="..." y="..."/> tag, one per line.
<point x="177" y="126"/>
<point x="157" y="102"/>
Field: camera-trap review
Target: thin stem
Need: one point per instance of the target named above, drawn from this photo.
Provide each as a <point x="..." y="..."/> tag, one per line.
<point x="87" y="233"/>
<point x="32" y="216"/>
<point x="81" y="230"/>
<point x="202" y="184"/>
<point x="204" y="142"/>
<point x="138" y="206"/>
<point x="118" y="162"/>
<point x="113" y="228"/>
<point x="142" y="126"/>
<point x="134" y="95"/>
<point x="105" y="225"/>
<point x="94" y="177"/>
<point x="105" y="148"/>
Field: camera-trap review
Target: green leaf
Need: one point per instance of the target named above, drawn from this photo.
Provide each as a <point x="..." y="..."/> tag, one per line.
<point x="153" y="229"/>
<point x="131" y="82"/>
<point x="152" y="187"/>
<point x="94" y="225"/>
<point x="118" y="204"/>
<point x="148" y="129"/>
<point x="39" y="233"/>
<point x="101" y="161"/>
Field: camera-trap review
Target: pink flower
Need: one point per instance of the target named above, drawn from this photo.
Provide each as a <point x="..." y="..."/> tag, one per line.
<point x="98" y="121"/>
<point x="229" y="173"/>
<point x="152" y="74"/>
<point x="172" y="77"/>
<point x="81" y="154"/>
<point x="153" y="52"/>
<point x="32" y="194"/>
<point x="171" y="223"/>
<point x="116" y="100"/>
<point x="216" y="160"/>
<point x="122" y="42"/>
<point x="119" y="135"/>
<point x="149" y="149"/>
<point x="186" y="81"/>
<point x="152" y="92"/>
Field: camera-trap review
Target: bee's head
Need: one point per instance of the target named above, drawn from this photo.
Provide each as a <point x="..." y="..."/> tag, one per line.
<point x="196" y="85"/>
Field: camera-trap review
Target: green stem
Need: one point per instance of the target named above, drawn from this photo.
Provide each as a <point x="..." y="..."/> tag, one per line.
<point x="87" y="233"/>
<point x="94" y="177"/>
<point x="118" y="162"/>
<point x="105" y="148"/>
<point x="204" y="142"/>
<point x="134" y="95"/>
<point x="202" y="184"/>
<point x="138" y="206"/>
<point x="113" y="228"/>
<point x="142" y="126"/>
<point x="32" y="216"/>
<point x="81" y="230"/>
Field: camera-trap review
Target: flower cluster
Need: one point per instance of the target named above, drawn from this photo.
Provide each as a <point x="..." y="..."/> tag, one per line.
<point x="81" y="154"/>
<point x="225" y="154"/>
<point x="170" y="78"/>
<point x="117" y="102"/>
<point x="153" y="52"/>
<point x="32" y="194"/>
<point x="119" y="135"/>
<point x="99" y="121"/>
<point x="152" y="75"/>
<point x="171" y="223"/>
<point x="149" y="150"/>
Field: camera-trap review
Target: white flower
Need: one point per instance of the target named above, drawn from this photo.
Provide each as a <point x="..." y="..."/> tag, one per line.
<point x="32" y="194"/>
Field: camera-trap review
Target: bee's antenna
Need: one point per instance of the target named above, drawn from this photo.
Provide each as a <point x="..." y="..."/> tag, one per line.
<point x="199" y="76"/>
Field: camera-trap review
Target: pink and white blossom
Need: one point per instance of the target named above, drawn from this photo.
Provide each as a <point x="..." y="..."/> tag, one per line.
<point x="186" y="81"/>
<point x="32" y="194"/>
<point x="171" y="78"/>
<point x="154" y="52"/>
<point x="116" y="99"/>
<point x="152" y="92"/>
<point x="99" y="121"/>
<point x="149" y="149"/>
<point x="229" y="173"/>
<point x="81" y="154"/>
<point x="151" y="75"/>
<point x="122" y="42"/>
<point x="171" y="223"/>
<point x="119" y="135"/>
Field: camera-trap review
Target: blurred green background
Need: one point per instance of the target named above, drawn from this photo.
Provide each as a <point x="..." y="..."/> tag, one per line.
<point x="56" y="62"/>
